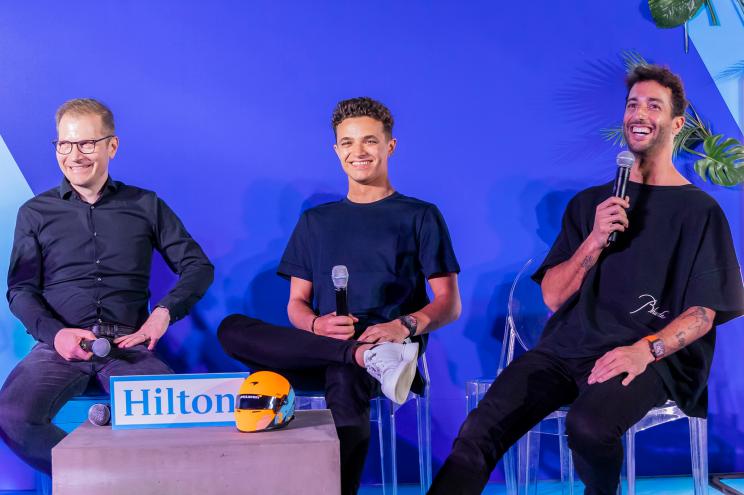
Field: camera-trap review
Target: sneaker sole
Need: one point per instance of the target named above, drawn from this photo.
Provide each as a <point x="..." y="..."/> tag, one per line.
<point x="404" y="375"/>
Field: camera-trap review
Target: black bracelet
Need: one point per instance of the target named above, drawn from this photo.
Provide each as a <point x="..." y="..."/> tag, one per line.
<point x="312" y="325"/>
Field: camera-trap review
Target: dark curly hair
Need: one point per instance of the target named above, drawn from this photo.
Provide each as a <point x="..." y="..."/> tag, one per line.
<point x="363" y="107"/>
<point x="663" y="76"/>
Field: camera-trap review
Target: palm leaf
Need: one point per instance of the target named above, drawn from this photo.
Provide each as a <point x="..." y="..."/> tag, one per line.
<point x="614" y="134"/>
<point x="632" y="59"/>
<point x="673" y="13"/>
<point x="733" y="72"/>
<point x="694" y="132"/>
<point x="723" y="161"/>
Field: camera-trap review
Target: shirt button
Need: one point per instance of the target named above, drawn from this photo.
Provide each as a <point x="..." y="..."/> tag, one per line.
<point x="95" y="234"/>
<point x="98" y="279"/>
<point x="98" y="262"/>
<point x="100" y="320"/>
<point x="92" y="207"/>
<point x="98" y="302"/>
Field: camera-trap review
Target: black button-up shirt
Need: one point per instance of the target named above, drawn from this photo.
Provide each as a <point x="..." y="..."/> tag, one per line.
<point x="74" y="264"/>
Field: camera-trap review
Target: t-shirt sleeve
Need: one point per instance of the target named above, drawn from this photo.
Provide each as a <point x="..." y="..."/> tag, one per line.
<point x="568" y="241"/>
<point x="715" y="280"/>
<point x="436" y="254"/>
<point x="296" y="261"/>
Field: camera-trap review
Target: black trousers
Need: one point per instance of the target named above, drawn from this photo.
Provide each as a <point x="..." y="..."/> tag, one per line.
<point x="312" y="363"/>
<point x="530" y="388"/>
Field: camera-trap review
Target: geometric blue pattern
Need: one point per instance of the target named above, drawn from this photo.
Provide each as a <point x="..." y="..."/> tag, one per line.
<point x="721" y="48"/>
<point x="14" y="191"/>
<point x="14" y="342"/>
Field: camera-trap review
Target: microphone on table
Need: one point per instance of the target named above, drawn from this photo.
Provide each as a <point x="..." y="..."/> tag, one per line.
<point x="99" y="414"/>
<point x="624" y="161"/>
<point x="340" y="277"/>
<point x="100" y="347"/>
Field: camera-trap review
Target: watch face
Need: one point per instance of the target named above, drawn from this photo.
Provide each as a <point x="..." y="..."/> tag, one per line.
<point x="410" y="323"/>
<point x="657" y="348"/>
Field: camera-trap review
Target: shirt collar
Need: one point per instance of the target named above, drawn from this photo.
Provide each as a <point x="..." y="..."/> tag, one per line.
<point x="66" y="190"/>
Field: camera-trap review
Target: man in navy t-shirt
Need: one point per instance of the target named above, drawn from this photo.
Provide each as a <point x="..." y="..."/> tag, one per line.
<point x="634" y="322"/>
<point x="392" y="246"/>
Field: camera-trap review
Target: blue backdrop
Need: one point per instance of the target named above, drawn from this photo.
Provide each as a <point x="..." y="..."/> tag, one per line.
<point x="223" y="108"/>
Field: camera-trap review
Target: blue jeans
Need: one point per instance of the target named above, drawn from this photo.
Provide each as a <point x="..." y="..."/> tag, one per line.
<point x="43" y="382"/>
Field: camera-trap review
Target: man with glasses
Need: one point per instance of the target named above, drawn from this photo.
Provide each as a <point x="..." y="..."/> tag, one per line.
<point x="80" y="270"/>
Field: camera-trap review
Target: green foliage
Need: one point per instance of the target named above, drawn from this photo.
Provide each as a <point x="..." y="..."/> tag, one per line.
<point x="673" y="13"/>
<point x="723" y="161"/>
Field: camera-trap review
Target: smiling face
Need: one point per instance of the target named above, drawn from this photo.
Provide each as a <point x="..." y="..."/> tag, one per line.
<point x="363" y="149"/>
<point x="85" y="171"/>
<point x="648" y="124"/>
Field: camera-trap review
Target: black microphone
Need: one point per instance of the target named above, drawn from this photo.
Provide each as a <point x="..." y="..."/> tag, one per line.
<point x="100" y="347"/>
<point x="624" y="161"/>
<point x="99" y="414"/>
<point x="340" y="277"/>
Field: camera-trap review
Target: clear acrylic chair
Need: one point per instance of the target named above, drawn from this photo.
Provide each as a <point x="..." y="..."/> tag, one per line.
<point x="526" y="317"/>
<point x="383" y="413"/>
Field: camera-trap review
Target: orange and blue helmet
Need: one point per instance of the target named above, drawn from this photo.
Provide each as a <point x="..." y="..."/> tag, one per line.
<point x="266" y="401"/>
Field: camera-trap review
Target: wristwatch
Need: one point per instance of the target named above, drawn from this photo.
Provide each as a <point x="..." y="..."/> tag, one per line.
<point x="656" y="346"/>
<point x="411" y="323"/>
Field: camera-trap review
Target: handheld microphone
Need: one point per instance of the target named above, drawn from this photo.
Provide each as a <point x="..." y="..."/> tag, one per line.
<point x="624" y="161"/>
<point x="340" y="277"/>
<point x="99" y="414"/>
<point x="100" y="347"/>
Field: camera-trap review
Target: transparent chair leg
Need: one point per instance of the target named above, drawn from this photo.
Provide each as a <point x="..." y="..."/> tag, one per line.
<point x="43" y="484"/>
<point x="527" y="460"/>
<point x="510" y="470"/>
<point x="424" y="440"/>
<point x="630" y="460"/>
<point x="699" y="454"/>
<point x="386" y="428"/>
<point x="567" y="469"/>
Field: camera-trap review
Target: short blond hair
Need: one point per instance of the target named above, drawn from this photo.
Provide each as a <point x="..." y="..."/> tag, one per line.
<point x="82" y="106"/>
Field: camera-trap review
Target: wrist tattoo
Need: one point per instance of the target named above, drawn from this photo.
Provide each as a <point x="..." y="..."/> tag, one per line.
<point x="587" y="263"/>
<point x="681" y="338"/>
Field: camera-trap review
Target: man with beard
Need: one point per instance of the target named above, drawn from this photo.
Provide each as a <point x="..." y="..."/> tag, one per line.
<point x="634" y="322"/>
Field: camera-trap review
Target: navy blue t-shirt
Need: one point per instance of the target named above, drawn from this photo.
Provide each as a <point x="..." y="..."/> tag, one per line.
<point x="677" y="253"/>
<point x="390" y="248"/>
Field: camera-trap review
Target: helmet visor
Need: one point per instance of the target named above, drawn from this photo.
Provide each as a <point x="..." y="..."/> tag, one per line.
<point x="249" y="401"/>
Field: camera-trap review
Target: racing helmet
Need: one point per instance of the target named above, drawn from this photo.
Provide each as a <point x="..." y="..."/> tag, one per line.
<point x="265" y="401"/>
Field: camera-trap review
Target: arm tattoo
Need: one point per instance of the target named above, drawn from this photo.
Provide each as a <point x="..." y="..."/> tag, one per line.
<point x="587" y="263"/>
<point x="700" y="320"/>
<point x="699" y="324"/>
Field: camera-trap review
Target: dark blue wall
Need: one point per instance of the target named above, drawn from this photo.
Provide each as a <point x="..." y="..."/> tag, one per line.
<point x="223" y="108"/>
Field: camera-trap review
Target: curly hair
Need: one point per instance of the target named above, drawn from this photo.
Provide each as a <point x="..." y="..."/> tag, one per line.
<point x="663" y="76"/>
<point x="82" y="106"/>
<point x="363" y="107"/>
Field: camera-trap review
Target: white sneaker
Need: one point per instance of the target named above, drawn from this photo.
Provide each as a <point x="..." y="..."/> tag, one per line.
<point x="394" y="366"/>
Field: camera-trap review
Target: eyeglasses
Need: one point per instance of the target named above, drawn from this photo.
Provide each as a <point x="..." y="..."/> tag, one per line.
<point x="85" y="147"/>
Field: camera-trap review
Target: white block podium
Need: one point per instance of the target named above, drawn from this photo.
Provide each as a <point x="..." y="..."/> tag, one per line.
<point x="301" y="458"/>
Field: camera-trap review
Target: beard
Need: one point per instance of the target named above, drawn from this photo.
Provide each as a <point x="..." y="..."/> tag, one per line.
<point x="648" y="147"/>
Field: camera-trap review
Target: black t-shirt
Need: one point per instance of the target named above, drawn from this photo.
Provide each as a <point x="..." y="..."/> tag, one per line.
<point x="677" y="253"/>
<point x="390" y="248"/>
